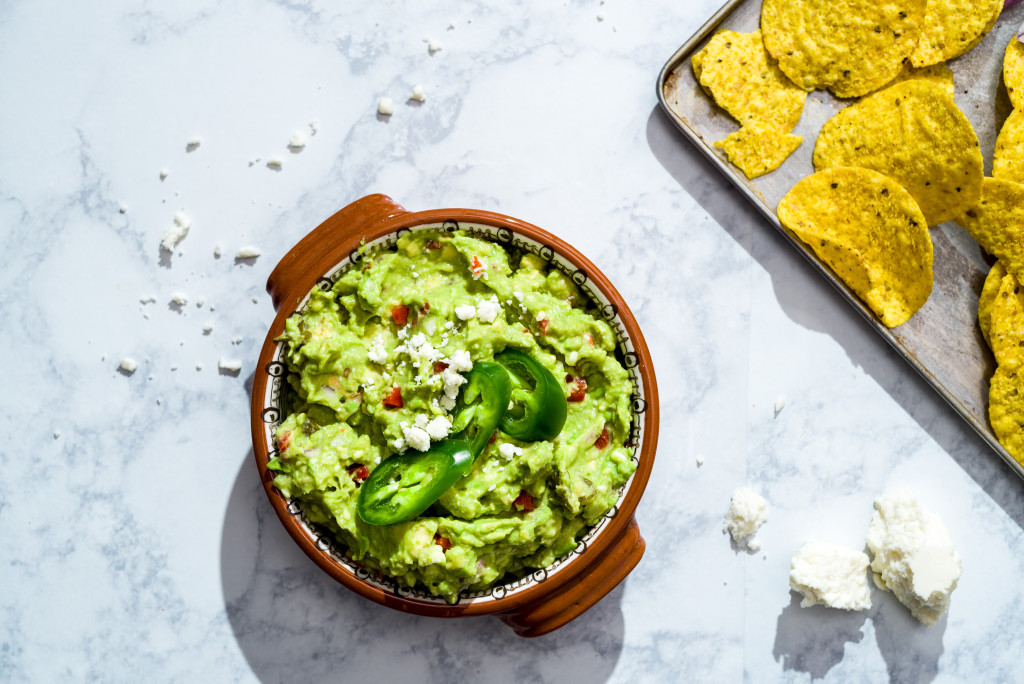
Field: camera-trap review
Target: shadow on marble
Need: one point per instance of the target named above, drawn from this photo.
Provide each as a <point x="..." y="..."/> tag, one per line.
<point x="911" y="650"/>
<point x="294" y="623"/>
<point x="734" y="213"/>
<point x="813" y="640"/>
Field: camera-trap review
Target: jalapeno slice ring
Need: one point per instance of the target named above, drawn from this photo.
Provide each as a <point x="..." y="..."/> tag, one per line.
<point x="404" y="485"/>
<point x="538" y="404"/>
<point x="481" y="404"/>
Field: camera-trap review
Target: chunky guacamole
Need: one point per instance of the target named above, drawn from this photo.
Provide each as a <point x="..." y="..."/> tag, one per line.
<point x="375" y="367"/>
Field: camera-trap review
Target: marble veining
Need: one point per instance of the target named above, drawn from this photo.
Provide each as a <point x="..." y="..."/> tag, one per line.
<point x="138" y="544"/>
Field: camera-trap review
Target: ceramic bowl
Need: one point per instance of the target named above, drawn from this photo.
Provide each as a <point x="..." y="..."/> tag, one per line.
<point x="531" y="605"/>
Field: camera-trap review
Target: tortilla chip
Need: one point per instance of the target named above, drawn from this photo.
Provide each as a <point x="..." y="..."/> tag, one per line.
<point x="758" y="148"/>
<point x="952" y="27"/>
<point x="988" y="295"/>
<point x="914" y="133"/>
<point x="1008" y="160"/>
<point x="936" y="73"/>
<point x="872" y="234"/>
<point x="1006" y="330"/>
<point x="745" y="81"/>
<point x="997" y="223"/>
<point x="1013" y="72"/>
<point x="850" y="47"/>
<point x="1006" y="407"/>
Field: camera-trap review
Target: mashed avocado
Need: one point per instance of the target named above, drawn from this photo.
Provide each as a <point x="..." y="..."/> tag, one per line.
<point x="375" y="366"/>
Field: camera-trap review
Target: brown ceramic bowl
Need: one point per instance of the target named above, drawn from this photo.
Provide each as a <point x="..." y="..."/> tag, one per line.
<point x="550" y="597"/>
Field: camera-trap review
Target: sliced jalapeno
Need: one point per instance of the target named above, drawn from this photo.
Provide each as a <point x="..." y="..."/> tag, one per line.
<point x="538" y="404"/>
<point x="404" y="485"/>
<point x="481" y="404"/>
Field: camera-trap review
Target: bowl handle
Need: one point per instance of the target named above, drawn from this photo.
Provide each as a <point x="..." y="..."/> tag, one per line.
<point x="295" y="273"/>
<point x="599" y="578"/>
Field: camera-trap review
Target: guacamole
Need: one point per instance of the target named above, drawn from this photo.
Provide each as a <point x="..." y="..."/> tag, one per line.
<point x="375" y="364"/>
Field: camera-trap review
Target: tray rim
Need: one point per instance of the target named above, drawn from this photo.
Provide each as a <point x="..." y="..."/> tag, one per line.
<point x="732" y="176"/>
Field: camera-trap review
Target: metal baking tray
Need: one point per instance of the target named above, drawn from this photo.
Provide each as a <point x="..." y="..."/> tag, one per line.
<point x="942" y="340"/>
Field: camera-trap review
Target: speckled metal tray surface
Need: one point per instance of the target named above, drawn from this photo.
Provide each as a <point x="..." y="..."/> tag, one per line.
<point x="942" y="340"/>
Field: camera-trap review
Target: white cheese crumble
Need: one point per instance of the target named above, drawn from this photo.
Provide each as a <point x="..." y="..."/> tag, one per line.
<point x="193" y="143"/>
<point x="236" y="340"/>
<point x="123" y="208"/>
<point x="700" y="461"/>
<point x="199" y="366"/>
<point x="164" y="173"/>
<point x="248" y="252"/>
<point x="377" y="353"/>
<point x="509" y="451"/>
<point x="297" y="141"/>
<point x="179" y="298"/>
<point x="176" y="232"/>
<point x="218" y="249"/>
<point x="432" y="45"/>
<point x="208" y="328"/>
<point x="438" y="427"/>
<point x="200" y="300"/>
<point x="229" y="365"/>
<point x="416" y="437"/>
<point x="914" y="557"/>
<point x="314" y="126"/>
<point x="746" y="514"/>
<point x="831" y="576"/>
<point x="541" y="315"/>
<point x="128" y="364"/>
<point x="419" y="93"/>
<point x="780" y="404"/>
<point x="275" y="163"/>
<point x="488" y="310"/>
<point x="385" y="106"/>
<point x="465" y="312"/>
<point x="148" y="299"/>
<point x="460" y="361"/>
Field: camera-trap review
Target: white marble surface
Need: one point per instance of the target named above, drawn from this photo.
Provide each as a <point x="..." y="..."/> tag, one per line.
<point x="137" y="543"/>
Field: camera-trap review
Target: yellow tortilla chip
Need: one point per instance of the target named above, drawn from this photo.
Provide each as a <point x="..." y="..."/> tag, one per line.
<point x="872" y="234"/>
<point x="952" y="27"/>
<point x="1013" y="72"/>
<point x="758" y="148"/>
<point x="988" y="295"/>
<point x="1008" y="160"/>
<point x="745" y="81"/>
<point x="1006" y="407"/>
<point x="997" y="223"/>
<point x="850" y="47"/>
<point x="936" y="73"/>
<point x="1006" y="328"/>
<point x="914" y="133"/>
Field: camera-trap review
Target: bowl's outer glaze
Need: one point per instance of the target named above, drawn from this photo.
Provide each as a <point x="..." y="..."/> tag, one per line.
<point x="582" y="581"/>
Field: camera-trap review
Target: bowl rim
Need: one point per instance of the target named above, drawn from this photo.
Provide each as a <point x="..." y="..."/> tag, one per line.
<point x="316" y="266"/>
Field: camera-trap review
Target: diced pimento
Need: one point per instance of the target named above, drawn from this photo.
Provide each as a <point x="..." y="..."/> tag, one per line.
<point x="444" y="542"/>
<point x="400" y="314"/>
<point x="544" y="326"/>
<point x="284" y="440"/>
<point x="394" y="398"/>
<point x="358" y="471"/>
<point x="523" y="502"/>
<point x="477" y="267"/>
<point x="588" y="338"/>
<point x="603" y="439"/>
<point x="433" y="244"/>
<point x="439" y="367"/>
<point x="579" y="390"/>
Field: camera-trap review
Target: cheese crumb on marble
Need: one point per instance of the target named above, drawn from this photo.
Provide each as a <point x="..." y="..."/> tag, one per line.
<point x="746" y="514"/>
<point x="218" y="249"/>
<point x="830" y="575"/>
<point x="487" y="310"/>
<point x="432" y="45"/>
<point x="208" y="328"/>
<point x="314" y="126"/>
<point x="914" y="557"/>
<point x="780" y="404"/>
<point x="700" y="461"/>
<point x="193" y="143"/>
<point x="176" y="232"/>
<point x="179" y="298"/>
<point x="128" y="364"/>
<point x="148" y="299"/>
<point x="199" y="366"/>
<point x="229" y="365"/>
<point x="123" y="208"/>
<point x="248" y="252"/>
<point x="419" y="93"/>
<point x="297" y="141"/>
<point x="275" y="163"/>
<point x="385" y="106"/>
<point x="164" y="173"/>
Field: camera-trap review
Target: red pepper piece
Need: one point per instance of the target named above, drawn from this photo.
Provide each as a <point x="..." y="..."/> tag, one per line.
<point x="523" y="502"/>
<point x="284" y="440"/>
<point x="394" y="399"/>
<point x="439" y="367"/>
<point x="579" y="390"/>
<point x="433" y="244"/>
<point x="444" y="542"/>
<point x="602" y="441"/>
<point x="544" y="326"/>
<point x="401" y="314"/>
<point x="358" y="471"/>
